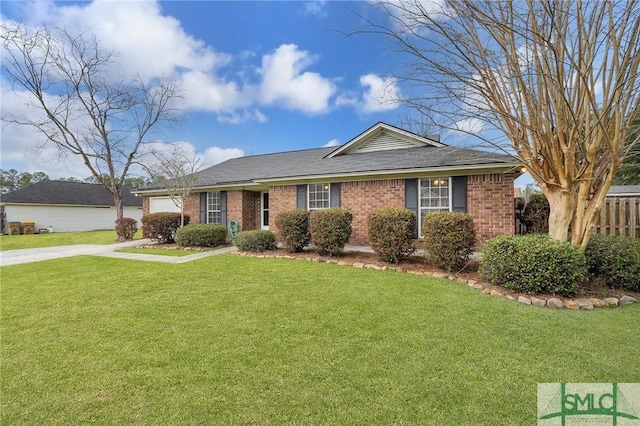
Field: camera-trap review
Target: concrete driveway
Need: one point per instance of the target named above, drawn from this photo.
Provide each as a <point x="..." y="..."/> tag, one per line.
<point x="17" y="257"/>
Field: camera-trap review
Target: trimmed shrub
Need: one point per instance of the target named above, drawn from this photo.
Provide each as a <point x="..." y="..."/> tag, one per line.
<point x="126" y="228"/>
<point x="615" y="260"/>
<point x="449" y="239"/>
<point x="201" y="235"/>
<point x="257" y="240"/>
<point x="293" y="229"/>
<point x="535" y="215"/>
<point x="391" y="233"/>
<point x="162" y="226"/>
<point x="533" y="264"/>
<point x="330" y="230"/>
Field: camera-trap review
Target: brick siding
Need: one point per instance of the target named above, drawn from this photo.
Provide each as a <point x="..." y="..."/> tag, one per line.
<point x="490" y="202"/>
<point x="281" y="198"/>
<point x="363" y="197"/>
<point x="244" y="206"/>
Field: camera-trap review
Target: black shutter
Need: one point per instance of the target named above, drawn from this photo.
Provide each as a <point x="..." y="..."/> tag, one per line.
<point x="223" y="208"/>
<point x="334" y="194"/>
<point x="301" y="201"/>
<point x="411" y="200"/>
<point x="203" y="207"/>
<point x="459" y="190"/>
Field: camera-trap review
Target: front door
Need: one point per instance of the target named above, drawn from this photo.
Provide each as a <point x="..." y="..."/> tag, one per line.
<point x="264" y="210"/>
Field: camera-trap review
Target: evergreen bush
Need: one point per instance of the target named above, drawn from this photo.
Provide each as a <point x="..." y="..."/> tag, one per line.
<point x="391" y="233"/>
<point x="449" y="239"/>
<point x="615" y="260"/>
<point x="201" y="235"/>
<point x="126" y="228"/>
<point x="533" y="264"/>
<point x="257" y="240"/>
<point x="293" y="229"/>
<point x="330" y="230"/>
<point x="162" y="226"/>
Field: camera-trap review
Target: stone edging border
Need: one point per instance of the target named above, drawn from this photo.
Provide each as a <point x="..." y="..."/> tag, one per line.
<point x="552" y="302"/>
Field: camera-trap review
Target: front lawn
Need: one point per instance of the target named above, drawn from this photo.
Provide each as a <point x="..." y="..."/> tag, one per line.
<point x="238" y="340"/>
<point x="14" y="242"/>
<point x="178" y="252"/>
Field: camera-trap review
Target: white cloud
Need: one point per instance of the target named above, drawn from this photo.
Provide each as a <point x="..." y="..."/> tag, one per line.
<point x="215" y="155"/>
<point x="332" y="142"/>
<point x="382" y="94"/>
<point x="139" y="32"/>
<point x="315" y="7"/>
<point x="284" y="81"/>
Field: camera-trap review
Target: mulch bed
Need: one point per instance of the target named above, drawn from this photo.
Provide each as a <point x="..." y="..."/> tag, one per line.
<point x="419" y="265"/>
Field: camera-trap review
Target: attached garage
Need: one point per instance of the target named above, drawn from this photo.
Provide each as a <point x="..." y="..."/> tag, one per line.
<point x="162" y="204"/>
<point x="67" y="206"/>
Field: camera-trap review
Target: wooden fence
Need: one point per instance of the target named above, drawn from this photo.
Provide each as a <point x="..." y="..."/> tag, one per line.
<point x="619" y="216"/>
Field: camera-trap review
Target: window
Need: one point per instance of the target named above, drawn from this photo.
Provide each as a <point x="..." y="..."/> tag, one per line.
<point x="318" y="196"/>
<point x="435" y="196"/>
<point x="213" y="208"/>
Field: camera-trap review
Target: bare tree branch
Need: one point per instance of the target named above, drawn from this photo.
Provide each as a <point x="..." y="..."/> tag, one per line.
<point x="85" y="109"/>
<point x="559" y="79"/>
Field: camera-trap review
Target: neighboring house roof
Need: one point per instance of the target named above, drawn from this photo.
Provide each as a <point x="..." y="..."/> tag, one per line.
<point x="624" y="190"/>
<point x="68" y="193"/>
<point x="379" y="151"/>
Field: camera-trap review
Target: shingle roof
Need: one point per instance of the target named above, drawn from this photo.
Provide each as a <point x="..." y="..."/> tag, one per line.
<point x="310" y="163"/>
<point x="624" y="190"/>
<point x="69" y="193"/>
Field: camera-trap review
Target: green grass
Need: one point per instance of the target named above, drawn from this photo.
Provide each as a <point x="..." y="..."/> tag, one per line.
<point x="160" y="251"/>
<point x="14" y="242"/>
<point x="237" y="340"/>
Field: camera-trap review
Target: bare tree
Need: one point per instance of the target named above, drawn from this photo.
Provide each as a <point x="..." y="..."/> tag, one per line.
<point x="85" y="109"/>
<point x="175" y="170"/>
<point x="558" y="80"/>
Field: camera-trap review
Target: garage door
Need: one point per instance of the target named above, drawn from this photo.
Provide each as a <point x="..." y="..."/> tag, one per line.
<point x="162" y="204"/>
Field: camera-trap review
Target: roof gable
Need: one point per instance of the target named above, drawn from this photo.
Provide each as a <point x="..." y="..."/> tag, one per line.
<point x="383" y="137"/>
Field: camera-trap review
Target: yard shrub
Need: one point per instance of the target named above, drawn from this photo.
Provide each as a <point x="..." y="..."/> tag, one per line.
<point x="535" y="214"/>
<point x="293" y="229"/>
<point x="201" y="235"/>
<point x="449" y="239"/>
<point x="330" y="230"/>
<point x="615" y="260"/>
<point x="533" y="264"/>
<point x="391" y="233"/>
<point x="162" y="226"/>
<point x="126" y="228"/>
<point x="257" y="240"/>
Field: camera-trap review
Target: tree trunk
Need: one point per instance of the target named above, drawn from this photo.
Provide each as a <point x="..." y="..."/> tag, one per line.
<point x="117" y="199"/>
<point x="561" y="210"/>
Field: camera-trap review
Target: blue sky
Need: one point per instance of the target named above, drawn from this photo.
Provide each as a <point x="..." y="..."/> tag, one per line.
<point x="257" y="77"/>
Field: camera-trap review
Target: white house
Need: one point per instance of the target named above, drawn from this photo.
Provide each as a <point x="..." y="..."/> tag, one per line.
<point x="67" y="206"/>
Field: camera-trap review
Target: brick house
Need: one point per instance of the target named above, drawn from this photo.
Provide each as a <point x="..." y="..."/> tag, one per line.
<point x="382" y="167"/>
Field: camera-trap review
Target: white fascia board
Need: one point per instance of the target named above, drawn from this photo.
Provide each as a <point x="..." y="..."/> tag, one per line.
<point x="222" y="187"/>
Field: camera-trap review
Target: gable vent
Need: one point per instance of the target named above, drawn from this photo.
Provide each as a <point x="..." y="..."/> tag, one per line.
<point x="385" y="141"/>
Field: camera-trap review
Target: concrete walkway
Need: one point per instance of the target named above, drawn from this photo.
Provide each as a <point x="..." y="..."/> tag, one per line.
<point x="17" y="257"/>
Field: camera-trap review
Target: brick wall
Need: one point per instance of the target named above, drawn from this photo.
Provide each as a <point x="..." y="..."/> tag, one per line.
<point x="192" y="208"/>
<point x="281" y="198"/>
<point x="361" y="198"/>
<point x="145" y="205"/>
<point x="490" y="202"/>
<point x="244" y="206"/>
